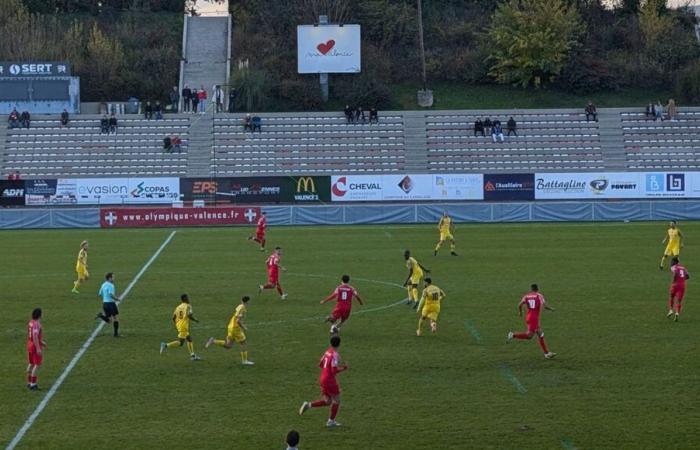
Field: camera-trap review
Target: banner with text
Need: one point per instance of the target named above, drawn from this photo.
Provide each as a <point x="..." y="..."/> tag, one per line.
<point x="616" y="185"/>
<point x="12" y="192"/>
<point x="127" y="191"/>
<point x="51" y="192"/>
<point x="305" y="189"/>
<point x="174" y="217"/>
<point x="509" y="186"/>
<point x="377" y="188"/>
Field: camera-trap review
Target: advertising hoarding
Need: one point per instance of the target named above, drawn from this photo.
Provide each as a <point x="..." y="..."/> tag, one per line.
<point x="328" y="49"/>
<point x="173" y="217"/>
<point x="128" y="191"/>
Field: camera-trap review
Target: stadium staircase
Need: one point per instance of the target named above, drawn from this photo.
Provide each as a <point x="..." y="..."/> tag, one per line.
<point x="612" y="139"/>
<point x="414" y="135"/>
<point x="199" y="156"/>
<point x="206" y="53"/>
<point x="3" y="145"/>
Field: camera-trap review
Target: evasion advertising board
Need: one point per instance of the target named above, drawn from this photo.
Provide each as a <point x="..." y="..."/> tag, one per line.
<point x="328" y="49"/>
<point x="377" y="188"/>
<point x="173" y="217"/>
<point x="117" y="191"/>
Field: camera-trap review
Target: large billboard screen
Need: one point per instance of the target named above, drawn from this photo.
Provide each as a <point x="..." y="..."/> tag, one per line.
<point x="328" y="49"/>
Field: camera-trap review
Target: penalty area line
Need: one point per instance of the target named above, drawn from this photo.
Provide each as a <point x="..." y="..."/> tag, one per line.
<point x="73" y="362"/>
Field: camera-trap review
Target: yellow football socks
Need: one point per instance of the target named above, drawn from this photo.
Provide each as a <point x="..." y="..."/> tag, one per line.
<point x="190" y="347"/>
<point x="219" y="342"/>
<point x="173" y="344"/>
<point x="244" y="356"/>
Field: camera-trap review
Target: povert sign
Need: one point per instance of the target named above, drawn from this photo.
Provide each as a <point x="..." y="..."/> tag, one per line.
<point x="328" y="49"/>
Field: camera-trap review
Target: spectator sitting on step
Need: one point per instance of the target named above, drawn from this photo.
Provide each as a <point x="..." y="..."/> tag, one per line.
<point x="479" y="127"/>
<point x="257" y="123"/>
<point x="25" y="118"/>
<point x="349" y="114"/>
<point x="512" y="126"/>
<point x="658" y="111"/>
<point x="104" y="125"/>
<point x="112" y="124"/>
<point x="360" y="114"/>
<point x="248" y="123"/>
<point x="13" y="120"/>
<point x="195" y="100"/>
<point x="671" y="110"/>
<point x="168" y="144"/>
<point x="148" y="111"/>
<point x="174" y="99"/>
<point x="373" y="115"/>
<point x="186" y="99"/>
<point x="488" y="125"/>
<point x="497" y="132"/>
<point x="172" y="144"/>
<point x="202" y="94"/>
<point x="650" y="111"/>
<point x="64" y="118"/>
<point x="591" y="112"/>
<point x="158" y="109"/>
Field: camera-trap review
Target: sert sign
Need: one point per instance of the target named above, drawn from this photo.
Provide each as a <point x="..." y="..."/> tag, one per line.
<point x="328" y="49"/>
<point x="34" y="69"/>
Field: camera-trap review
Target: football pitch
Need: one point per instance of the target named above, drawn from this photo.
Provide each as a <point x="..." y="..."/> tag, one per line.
<point x="624" y="375"/>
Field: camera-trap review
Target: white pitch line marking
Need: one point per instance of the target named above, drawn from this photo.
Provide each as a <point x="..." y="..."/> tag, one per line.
<point x="49" y="395"/>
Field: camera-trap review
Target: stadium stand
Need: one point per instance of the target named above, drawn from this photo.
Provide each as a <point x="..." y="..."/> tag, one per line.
<point x="324" y="143"/>
<point x="47" y="150"/>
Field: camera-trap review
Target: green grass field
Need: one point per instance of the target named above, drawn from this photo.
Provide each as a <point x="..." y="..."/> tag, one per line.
<point x="624" y="377"/>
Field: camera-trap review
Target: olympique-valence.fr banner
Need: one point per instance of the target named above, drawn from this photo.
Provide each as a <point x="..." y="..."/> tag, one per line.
<point x="177" y="217"/>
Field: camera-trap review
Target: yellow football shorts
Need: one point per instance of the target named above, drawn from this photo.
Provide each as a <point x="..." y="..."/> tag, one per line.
<point x="82" y="273"/>
<point x="415" y="279"/>
<point x="182" y="333"/>
<point x="431" y="312"/>
<point x="446" y="236"/>
<point x="236" y="334"/>
<point x="673" y="250"/>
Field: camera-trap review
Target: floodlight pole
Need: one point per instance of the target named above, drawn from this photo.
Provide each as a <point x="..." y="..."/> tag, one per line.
<point x="323" y="77"/>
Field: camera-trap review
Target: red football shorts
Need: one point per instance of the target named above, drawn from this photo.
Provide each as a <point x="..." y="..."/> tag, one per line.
<point x="341" y="313"/>
<point x="260" y="234"/>
<point x="34" y="357"/>
<point x="330" y="389"/>
<point x="273" y="277"/>
<point x="677" y="292"/>
<point x="533" y="325"/>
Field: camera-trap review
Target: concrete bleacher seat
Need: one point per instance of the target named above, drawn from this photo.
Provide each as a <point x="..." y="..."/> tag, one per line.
<point x="47" y="150"/>
<point x="556" y="140"/>
<point x="669" y="144"/>
<point x="308" y="143"/>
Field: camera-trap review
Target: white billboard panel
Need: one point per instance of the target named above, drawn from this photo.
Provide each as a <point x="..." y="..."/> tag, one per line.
<point x="328" y="49"/>
<point x="116" y="191"/>
<point x="377" y="188"/>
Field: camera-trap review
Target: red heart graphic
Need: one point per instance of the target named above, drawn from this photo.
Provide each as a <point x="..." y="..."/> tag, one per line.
<point x="325" y="48"/>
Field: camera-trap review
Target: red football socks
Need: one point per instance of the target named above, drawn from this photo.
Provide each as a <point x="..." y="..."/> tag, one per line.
<point x="542" y="344"/>
<point x="279" y="290"/>
<point x="334" y="410"/>
<point x="318" y="403"/>
<point x="520" y="336"/>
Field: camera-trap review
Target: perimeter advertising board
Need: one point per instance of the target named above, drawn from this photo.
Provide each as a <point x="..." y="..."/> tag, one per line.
<point x="616" y="185"/>
<point x="173" y="217"/>
<point x="378" y="188"/>
<point x="304" y="189"/>
<point x="118" y="191"/>
<point x="12" y="192"/>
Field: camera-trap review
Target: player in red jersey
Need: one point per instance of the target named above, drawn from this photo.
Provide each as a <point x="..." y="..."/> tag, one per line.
<point x="675" y="299"/>
<point x="260" y="232"/>
<point x="343" y="294"/>
<point x="330" y="367"/>
<point x="273" y="273"/>
<point x="35" y="348"/>
<point x="534" y="301"/>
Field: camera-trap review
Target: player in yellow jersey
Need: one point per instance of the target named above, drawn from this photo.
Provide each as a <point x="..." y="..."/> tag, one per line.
<point x="81" y="267"/>
<point x="182" y="317"/>
<point x="446" y="227"/>
<point x="673" y="241"/>
<point x="236" y="332"/>
<point x="415" y="274"/>
<point x="429" y="307"/>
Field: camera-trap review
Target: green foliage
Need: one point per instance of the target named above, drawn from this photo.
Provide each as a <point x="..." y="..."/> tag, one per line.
<point x="531" y="40"/>
<point x="363" y="90"/>
<point x="688" y="84"/>
<point x="299" y="94"/>
<point x="254" y="88"/>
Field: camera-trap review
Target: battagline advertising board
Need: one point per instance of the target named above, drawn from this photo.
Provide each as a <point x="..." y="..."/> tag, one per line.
<point x="177" y="217"/>
<point x="616" y="185"/>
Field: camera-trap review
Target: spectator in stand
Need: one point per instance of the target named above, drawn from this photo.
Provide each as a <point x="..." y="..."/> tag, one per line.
<point x="349" y="114"/>
<point x="177" y="144"/>
<point x="148" y="111"/>
<point x="373" y="115"/>
<point x="104" y="125"/>
<point x="25" y="118"/>
<point x="168" y="144"/>
<point x="172" y="144"/>
<point x="479" y="127"/>
<point x="158" y="109"/>
<point x="257" y="123"/>
<point x="359" y="113"/>
<point x="186" y="99"/>
<point x="195" y="100"/>
<point x="232" y="100"/>
<point x="658" y="111"/>
<point x="512" y="126"/>
<point x="13" y="119"/>
<point x="64" y="118"/>
<point x="650" y="111"/>
<point x="248" y="123"/>
<point x="292" y="440"/>
<point x="496" y="122"/>
<point x="671" y="110"/>
<point x="218" y="96"/>
<point x="112" y="124"/>
<point x="497" y="132"/>
<point x="174" y="99"/>
<point x="591" y="112"/>
<point x="488" y="125"/>
<point x="14" y="176"/>
<point x="202" y="94"/>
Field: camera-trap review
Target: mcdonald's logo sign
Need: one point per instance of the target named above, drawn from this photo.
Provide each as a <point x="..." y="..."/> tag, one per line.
<point x="306" y="190"/>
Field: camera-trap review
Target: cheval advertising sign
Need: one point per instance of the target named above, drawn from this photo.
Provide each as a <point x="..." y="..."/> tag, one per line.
<point x="328" y="49"/>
